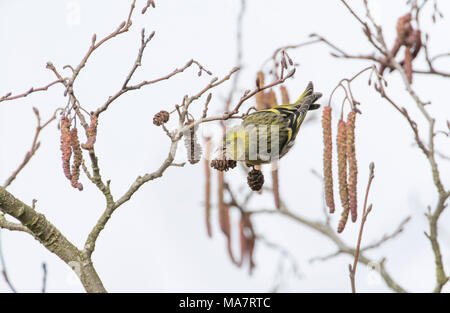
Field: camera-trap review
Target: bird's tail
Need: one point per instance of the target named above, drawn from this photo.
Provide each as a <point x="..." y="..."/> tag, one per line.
<point x="308" y="97"/>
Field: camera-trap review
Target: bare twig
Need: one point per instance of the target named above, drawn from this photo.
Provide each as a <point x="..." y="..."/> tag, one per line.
<point x="4" y="270"/>
<point x="149" y="3"/>
<point x="122" y="28"/>
<point x="285" y="255"/>
<point x="11" y="225"/>
<point x="127" y="88"/>
<point x="34" y="146"/>
<point x="44" y="277"/>
<point x="366" y="211"/>
<point x="387" y="237"/>
<point x="9" y="97"/>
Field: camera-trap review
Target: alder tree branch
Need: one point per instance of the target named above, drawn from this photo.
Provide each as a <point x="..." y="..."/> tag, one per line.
<point x="52" y="239"/>
<point x="35" y="223"/>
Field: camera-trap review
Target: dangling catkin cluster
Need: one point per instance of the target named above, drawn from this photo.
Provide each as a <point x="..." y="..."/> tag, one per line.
<point x="92" y="133"/>
<point x="69" y="144"/>
<point x="77" y="159"/>
<point x="341" y="142"/>
<point x="193" y="148"/>
<point x="346" y="158"/>
<point x="327" y="157"/>
<point x="352" y="164"/>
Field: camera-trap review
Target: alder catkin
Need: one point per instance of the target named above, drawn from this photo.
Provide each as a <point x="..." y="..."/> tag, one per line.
<point x="247" y="241"/>
<point x="92" y="133"/>
<point x="208" y="187"/>
<point x="77" y="159"/>
<point x="65" y="146"/>
<point x="224" y="214"/>
<point x="270" y="99"/>
<point x="193" y="148"/>
<point x="327" y="157"/>
<point x="284" y="95"/>
<point x="408" y="64"/>
<point x="352" y="165"/>
<point x="341" y="143"/>
<point x="343" y="221"/>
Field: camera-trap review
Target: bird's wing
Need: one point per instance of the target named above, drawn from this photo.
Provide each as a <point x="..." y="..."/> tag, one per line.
<point x="284" y="119"/>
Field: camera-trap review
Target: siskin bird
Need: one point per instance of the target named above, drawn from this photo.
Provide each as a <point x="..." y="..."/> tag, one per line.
<point x="267" y="135"/>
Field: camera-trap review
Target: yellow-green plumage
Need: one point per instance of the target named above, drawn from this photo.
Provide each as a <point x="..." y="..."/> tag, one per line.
<point x="267" y="135"/>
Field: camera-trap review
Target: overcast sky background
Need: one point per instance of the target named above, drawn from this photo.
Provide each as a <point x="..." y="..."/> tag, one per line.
<point x="157" y="241"/>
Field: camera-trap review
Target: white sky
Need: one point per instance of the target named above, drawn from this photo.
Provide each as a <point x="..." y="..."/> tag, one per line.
<point x="157" y="241"/>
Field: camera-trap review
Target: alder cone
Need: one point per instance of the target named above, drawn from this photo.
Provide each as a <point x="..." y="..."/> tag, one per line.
<point x="223" y="165"/>
<point x="161" y="117"/>
<point x="255" y="180"/>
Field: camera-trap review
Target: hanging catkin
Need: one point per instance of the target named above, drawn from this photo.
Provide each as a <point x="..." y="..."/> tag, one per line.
<point x="193" y="148"/>
<point x="77" y="159"/>
<point x="92" y="133"/>
<point x="327" y="158"/>
<point x="352" y="165"/>
<point x="341" y="143"/>
<point x="65" y="146"/>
